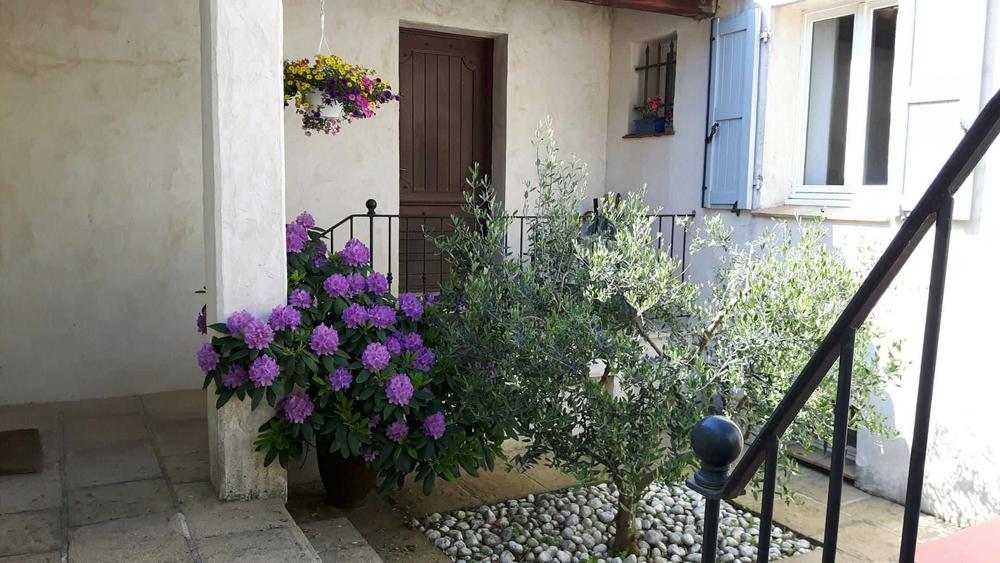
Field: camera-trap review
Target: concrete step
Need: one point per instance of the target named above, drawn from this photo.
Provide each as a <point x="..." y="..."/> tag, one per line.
<point x="338" y="541"/>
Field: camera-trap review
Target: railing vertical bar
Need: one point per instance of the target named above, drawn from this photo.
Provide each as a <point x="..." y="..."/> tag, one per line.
<point x="371" y="237"/>
<point x="673" y="229"/>
<point x="842" y="412"/>
<point x="520" y="252"/>
<point x="352" y="226"/>
<point x="388" y="257"/>
<point x="659" y="233"/>
<point x="767" y="501"/>
<point x="925" y="388"/>
<point x="684" y="245"/>
<point x="710" y="535"/>
<point x="404" y="250"/>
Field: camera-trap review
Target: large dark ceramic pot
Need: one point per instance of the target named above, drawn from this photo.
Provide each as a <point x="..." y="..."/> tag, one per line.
<point x="347" y="481"/>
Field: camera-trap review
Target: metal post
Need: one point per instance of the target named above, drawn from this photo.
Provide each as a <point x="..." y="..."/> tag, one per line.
<point x="717" y="442"/>
<point x="371" y="204"/>
<point x="767" y="501"/>
<point x="841" y="416"/>
<point x="925" y="389"/>
<point x="710" y="535"/>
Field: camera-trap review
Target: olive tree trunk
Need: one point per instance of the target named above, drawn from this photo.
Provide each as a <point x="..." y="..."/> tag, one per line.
<point x="625" y="537"/>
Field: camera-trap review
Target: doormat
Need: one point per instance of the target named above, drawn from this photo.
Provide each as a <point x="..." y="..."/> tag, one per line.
<point x="20" y="451"/>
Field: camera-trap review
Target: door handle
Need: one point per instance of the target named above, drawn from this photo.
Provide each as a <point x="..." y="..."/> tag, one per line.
<point x="712" y="132"/>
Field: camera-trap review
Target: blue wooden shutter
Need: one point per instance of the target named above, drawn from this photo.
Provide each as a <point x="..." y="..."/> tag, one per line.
<point x="732" y="99"/>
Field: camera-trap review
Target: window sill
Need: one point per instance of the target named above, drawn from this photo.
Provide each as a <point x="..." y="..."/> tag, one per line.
<point x="646" y="135"/>
<point x="828" y="213"/>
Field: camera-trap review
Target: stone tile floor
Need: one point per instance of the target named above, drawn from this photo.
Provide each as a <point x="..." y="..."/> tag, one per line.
<point x="126" y="479"/>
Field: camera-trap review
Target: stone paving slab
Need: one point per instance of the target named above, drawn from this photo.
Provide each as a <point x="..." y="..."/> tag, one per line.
<point x="103" y="408"/>
<point x="207" y="516"/>
<point x="120" y="500"/>
<point x="278" y="545"/>
<point x="102" y="431"/>
<point x="30" y="532"/>
<point x="187" y="468"/>
<point x="181" y="436"/>
<point x="51" y="557"/>
<point x="155" y="537"/>
<point x="176" y="405"/>
<point x="112" y="463"/>
<point x="33" y="491"/>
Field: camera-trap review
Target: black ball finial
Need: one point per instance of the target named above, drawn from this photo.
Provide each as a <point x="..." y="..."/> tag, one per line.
<point x="371" y="204"/>
<point x="717" y="442"/>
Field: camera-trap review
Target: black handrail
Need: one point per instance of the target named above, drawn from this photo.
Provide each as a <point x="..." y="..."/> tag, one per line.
<point x="718" y="441"/>
<point x="666" y="227"/>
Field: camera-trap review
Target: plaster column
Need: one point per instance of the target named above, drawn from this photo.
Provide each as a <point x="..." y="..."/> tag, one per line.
<point x="244" y="179"/>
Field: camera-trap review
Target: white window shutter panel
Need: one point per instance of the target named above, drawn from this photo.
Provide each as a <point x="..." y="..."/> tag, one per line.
<point x="941" y="90"/>
<point x="732" y="100"/>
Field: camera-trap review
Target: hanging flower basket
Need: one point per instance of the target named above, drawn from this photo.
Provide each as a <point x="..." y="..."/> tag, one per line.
<point x="329" y="92"/>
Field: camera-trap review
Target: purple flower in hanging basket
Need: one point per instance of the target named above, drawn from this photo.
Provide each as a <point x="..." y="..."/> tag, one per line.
<point x="258" y="335"/>
<point x="396" y="431"/>
<point x="377" y="284"/>
<point x="336" y="286"/>
<point x="306" y="220"/>
<point x="340" y="379"/>
<point x="375" y="357"/>
<point x="208" y="358"/>
<point x="297" y="407"/>
<point x="237" y="321"/>
<point x="399" y="389"/>
<point x="235" y="376"/>
<point x="284" y="317"/>
<point x="434" y="425"/>
<point x="382" y="316"/>
<point x="300" y="298"/>
<point x="354" y="315"/>
<point x="411" y="306"/>
<point x="324" y="340"/>
<point x="355" y="253"/>
<point x="263" y="371"/>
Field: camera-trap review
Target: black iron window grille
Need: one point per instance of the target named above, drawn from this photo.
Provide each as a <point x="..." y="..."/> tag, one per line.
<point x="657" y="72"/>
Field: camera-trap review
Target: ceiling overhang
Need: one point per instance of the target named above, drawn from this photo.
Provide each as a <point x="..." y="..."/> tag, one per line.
<point x="687" y="8"/>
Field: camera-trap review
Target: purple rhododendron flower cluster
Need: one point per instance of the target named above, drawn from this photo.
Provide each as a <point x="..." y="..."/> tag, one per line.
<point x="425" y="360"/>
<point x="430" y="299"/>
<point x="373" y="421"/>
<point x="377" y="284"/>
<point x="208" y="358"/>
<point x="393" y="344"/>
<point x="370" y="455"/>
<point x="356" y="284"/>
<point x="284" y="317"/>
<point x="237" y="321"/>
<point x="396" y="431"/>
<point x="434" y="425"/>
<point x="336" y="286"/>
<point x="306" y="220"/>
<point x="411" y="306"/>
<point x="340" y="379"/>
<point x="354" y="315"/>
<point x="296" y="237"/>
<point x="235" y="376"/>
<point x="375" y="357"/>
<point x="263" y="371"/>
<point x="257" y="334"/>
<point x="300" y="299"/>
<point x="412" y="341"/>
<point x="324" y="340"/>
<point x="382" y="316"/>
<point x="297" y="407"/>
<point x="355" y="253"/>
<point x="202" y="321"/>
<point x="399" y="389"/>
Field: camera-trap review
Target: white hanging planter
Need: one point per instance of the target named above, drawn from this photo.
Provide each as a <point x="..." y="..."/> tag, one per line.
<point x="315" y="99"/>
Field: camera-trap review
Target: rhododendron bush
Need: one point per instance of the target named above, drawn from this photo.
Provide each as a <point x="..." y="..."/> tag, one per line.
<point x="345" y="362"/>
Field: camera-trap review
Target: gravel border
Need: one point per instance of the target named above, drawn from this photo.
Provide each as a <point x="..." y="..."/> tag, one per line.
<point x="576" y="525"/>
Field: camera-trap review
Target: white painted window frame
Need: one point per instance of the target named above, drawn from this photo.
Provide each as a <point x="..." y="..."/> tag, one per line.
<point x="854" y="193"/>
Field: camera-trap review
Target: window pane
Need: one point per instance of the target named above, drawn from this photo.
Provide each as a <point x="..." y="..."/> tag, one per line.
<point x="880" y="95"/>
<point x="829" y="83"/>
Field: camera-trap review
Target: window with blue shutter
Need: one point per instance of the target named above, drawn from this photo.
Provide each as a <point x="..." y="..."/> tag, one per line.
<point x="729" y="149"/>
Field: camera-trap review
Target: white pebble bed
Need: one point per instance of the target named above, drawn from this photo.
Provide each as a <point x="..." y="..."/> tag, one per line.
<point x="576" y="526"/>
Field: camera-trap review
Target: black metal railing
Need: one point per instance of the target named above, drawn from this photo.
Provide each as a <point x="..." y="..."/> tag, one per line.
<point x="417" y="265"/>
<point x="718" y="442"/>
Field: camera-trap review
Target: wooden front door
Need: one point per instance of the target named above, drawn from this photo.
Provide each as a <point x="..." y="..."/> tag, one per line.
<point x="445" y="125"/>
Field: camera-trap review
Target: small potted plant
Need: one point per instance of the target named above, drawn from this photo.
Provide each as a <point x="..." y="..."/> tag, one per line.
<point x="328" y="92"/>
<point x="351" y="370"/>
<point x="651" y="122"/>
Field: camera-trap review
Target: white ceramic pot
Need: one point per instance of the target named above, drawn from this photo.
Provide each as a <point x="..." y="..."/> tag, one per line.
<point x="333" y="110"/>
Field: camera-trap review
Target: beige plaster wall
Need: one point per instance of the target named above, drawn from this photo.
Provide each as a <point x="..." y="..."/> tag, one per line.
<point x="100" y="198"/>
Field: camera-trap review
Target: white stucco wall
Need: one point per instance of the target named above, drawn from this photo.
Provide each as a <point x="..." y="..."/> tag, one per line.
<point x="963" y="465"/>
<point x="100" y="198"/>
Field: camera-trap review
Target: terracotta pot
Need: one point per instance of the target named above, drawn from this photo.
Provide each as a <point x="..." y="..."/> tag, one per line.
<point x="347" y="481"/>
